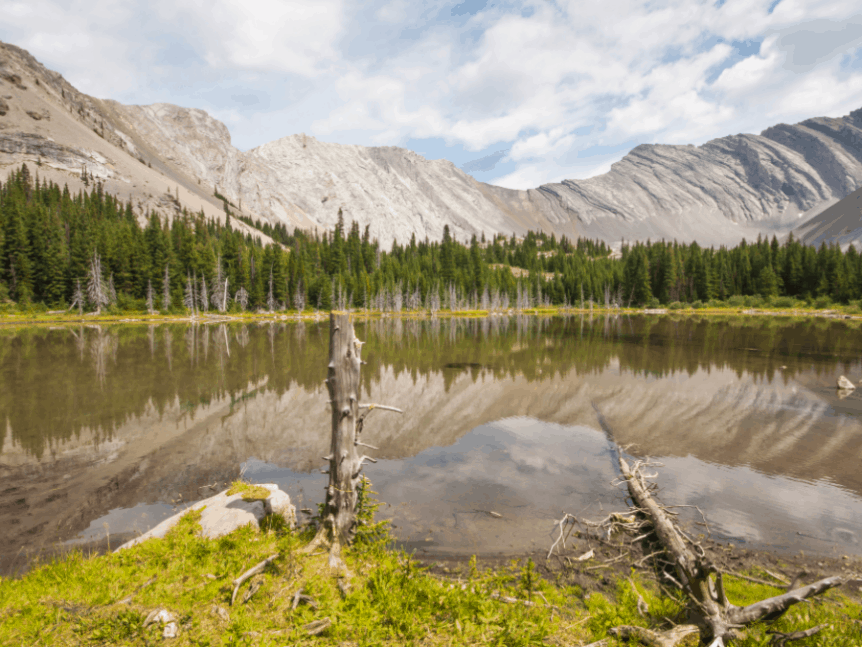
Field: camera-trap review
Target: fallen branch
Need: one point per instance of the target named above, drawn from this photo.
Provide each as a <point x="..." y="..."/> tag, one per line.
<point x="780" y="639"/>
<point x="708" y="607"/>
<point x="318" y="626"/>
<point x="128" y="598"/>
<point x="643" y="607"/>
<point x="510" y="600"/>
<point x="385" y="407"/>
<point x="567" y="519"/>
<point x="254" y="570"/>
<point x="299" y="597"/>
<point x="655" y="638"/>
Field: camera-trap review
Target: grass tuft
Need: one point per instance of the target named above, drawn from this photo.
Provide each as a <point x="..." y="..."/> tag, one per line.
<point x="249" y="491"/>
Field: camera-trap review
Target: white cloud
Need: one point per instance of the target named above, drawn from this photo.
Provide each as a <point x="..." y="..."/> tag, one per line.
<point x="291" y="37"/>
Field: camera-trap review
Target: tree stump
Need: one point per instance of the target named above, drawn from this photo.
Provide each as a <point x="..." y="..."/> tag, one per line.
<point x="338" y="521"/>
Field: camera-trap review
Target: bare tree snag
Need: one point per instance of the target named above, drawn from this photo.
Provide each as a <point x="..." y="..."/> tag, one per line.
<point x="709" y="609"/>
<point x="338" y="521"/>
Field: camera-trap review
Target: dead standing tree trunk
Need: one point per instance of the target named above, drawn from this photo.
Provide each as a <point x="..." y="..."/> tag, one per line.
<point x="338" y="520"/>
<point x="709" y="609"/>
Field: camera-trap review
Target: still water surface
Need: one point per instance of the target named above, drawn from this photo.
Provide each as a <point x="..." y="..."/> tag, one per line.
<point x="108" y="430"/>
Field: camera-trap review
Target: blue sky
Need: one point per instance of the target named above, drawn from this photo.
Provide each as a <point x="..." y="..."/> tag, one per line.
<point x="517" y="93"/>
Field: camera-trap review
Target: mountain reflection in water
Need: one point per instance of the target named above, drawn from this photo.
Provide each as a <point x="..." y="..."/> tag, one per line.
<point x="103" y="421"/>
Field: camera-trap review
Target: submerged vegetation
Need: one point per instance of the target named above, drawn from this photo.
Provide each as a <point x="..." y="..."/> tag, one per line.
<point x="88" y="251"/>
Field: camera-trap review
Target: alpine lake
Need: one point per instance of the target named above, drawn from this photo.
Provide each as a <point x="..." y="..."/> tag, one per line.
<point x="109" y="429"/>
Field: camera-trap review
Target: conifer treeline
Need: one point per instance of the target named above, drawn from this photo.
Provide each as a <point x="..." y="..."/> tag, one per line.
<point x="89" y="250"/>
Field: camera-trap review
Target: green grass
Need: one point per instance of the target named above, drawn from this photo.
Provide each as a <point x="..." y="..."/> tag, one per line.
<point x="83" y="600"/>
<point x="747" y="306"/>
<point x="249" y="491"/>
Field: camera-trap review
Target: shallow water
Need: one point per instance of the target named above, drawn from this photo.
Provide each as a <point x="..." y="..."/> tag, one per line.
<point x="108" y="430"/>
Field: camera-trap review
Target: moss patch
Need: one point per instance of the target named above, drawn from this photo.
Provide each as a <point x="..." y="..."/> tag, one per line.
<point x="249" y="491"/>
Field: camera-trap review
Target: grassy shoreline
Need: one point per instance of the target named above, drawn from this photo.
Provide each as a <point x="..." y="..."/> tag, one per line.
<point x="393" y="599"/>
<point x="55" y="318"/>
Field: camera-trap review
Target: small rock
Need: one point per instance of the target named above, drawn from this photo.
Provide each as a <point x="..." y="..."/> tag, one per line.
<point x="844" y="383"/>
<point x="4" y="107"/>
<point x="15" y="80"/>
<point x="221" y="612"/>
<point x="39" y="115"/>
<point x="171" y="630"/>
<point x="279" y="503"/>
<point x="169" y="620"/>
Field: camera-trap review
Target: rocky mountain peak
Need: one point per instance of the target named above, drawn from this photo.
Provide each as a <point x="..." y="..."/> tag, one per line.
<point x="717" y="193"/>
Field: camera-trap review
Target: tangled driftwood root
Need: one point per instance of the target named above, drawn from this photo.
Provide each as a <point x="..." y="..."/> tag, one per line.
<point x="690" y="570"/>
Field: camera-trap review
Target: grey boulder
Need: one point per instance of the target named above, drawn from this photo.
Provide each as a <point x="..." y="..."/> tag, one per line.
<point x="222" y="514"/>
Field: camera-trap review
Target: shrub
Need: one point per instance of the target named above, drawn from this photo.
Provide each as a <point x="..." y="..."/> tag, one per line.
<point x="676" y="305"/>
<point x="653" y="303"/>
<point x="736" y="301"/>
<point x="784" y="302"/>
<point x="822" y="302"/>
<point x="697" y="305"/>
<point x="755" y="301"/>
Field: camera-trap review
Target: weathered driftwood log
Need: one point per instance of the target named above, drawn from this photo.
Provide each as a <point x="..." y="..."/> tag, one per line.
<point x="338" y="521"/>
<point x="709" y="609"/>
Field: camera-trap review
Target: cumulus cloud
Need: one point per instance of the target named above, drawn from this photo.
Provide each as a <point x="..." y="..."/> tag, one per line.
<point x="542" y="80"/>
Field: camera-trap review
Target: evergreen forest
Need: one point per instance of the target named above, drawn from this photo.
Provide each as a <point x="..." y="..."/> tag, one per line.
<point x="88" y="251"/>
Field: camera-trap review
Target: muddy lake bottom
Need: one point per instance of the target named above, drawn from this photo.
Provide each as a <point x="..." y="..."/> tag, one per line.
<point x="110" y="429"/>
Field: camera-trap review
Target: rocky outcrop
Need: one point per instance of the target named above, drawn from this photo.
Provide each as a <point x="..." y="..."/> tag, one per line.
<point x="222" y="514"/>
<point x="55" y="155"/>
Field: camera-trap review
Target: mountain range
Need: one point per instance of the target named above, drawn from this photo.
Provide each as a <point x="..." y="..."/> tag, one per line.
<point x="165" y="157"/>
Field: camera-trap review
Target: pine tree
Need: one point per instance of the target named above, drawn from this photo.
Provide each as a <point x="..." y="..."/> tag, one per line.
<point x="111" y="290"/>
<point x="150" y="306"/>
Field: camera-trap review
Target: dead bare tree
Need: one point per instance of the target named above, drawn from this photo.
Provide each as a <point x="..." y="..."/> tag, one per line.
<point x="270" y="299"/>
<point x="709" y="610"/>
<point x="97" y="291"/>
<point x="225" y="296"/>
<point x="217" y="286"/>
<point x="299" y="297"/>
<point x="166" y="290"/>
<point x="78" y="298"/>
<point x="203" y="295"/>
<point x="337" y="523"/>
<point x="190" y="300"/>
<point x="241" y="297"/>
